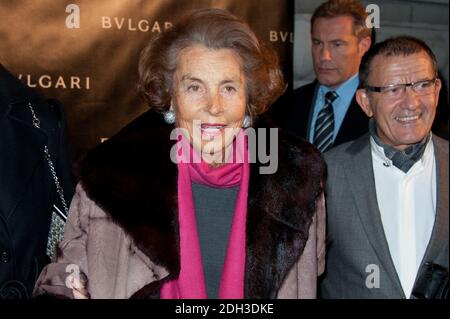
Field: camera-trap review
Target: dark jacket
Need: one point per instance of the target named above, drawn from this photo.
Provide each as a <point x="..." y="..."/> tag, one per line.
<point x="122" y="231"/>
<point x="27" y="190"/>
<point x="295" y="117"/>
<point x="358" y="252"/>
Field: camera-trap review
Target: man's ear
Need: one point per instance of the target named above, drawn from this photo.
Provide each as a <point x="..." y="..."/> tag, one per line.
<point x="363" y="100"/>
<point x="364" y="45"/>
<point x="438" y="87"/>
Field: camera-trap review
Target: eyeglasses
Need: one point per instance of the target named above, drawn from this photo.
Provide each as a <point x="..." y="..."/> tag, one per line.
<point x="424" y="87"/>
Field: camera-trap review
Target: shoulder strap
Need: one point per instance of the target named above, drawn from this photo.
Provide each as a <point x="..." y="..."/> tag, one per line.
<point x="58" y="217"/>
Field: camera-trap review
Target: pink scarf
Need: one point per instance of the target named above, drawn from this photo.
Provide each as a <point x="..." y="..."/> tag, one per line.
<point x="191" y="282"/>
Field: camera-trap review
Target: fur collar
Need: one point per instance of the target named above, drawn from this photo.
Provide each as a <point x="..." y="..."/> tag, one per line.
<point x="132" y="178"/>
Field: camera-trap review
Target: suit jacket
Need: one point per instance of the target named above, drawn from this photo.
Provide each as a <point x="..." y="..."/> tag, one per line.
<point x="296" y="116"/>
<point x="122" y="230"/>
<point x="27" y="190"/>
<point x="355" y="230"/>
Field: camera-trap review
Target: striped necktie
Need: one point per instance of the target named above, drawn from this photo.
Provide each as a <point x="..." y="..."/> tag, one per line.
<point x="324" y="129"/>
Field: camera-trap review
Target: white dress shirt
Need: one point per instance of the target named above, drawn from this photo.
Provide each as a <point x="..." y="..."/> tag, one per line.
<point x="407" y="203"/>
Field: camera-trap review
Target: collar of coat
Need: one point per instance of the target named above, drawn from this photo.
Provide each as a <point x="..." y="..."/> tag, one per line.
<point x="132" y="178"/>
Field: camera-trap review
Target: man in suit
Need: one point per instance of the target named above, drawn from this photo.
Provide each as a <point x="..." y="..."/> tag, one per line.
<point x="387" y="191"/>
<point x="27" y="188"/>
<point x="325" y="111"/>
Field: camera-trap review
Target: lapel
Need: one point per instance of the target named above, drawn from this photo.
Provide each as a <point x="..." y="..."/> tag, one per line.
<point x="22" y="149"/>
<point x="439" y="236"/>
<point x="355" y="124"/>
<point x="300" y="111"/>
<point x="133" y="179"/>
<point x="314" y="90"/>
<point x="21" y="144"/>
<point x="361" y="181"/>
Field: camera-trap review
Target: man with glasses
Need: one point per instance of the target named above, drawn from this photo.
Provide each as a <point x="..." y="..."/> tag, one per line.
<point x="387" y="191"/>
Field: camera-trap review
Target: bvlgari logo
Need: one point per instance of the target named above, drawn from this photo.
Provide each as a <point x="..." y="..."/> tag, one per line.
<point x="130" y="24"/>
<point x="46" y="81"/>
<point x="281" y="36"/>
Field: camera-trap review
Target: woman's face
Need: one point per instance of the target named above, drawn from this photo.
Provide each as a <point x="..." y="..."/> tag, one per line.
<point x="209" y="99"/>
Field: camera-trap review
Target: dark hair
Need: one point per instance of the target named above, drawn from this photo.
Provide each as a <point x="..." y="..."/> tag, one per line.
<point x="214" y="29"/>
<point x="350" y="8"/>
<point x="395" y="46"/>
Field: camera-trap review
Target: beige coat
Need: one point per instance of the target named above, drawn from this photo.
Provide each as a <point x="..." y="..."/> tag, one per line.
<point x="112" y="245"/>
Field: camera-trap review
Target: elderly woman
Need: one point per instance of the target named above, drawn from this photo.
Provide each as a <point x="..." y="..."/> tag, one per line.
<point x="142" y="225"/>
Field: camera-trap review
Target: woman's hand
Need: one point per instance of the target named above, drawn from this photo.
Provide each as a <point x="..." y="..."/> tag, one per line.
<point x="78" y="286"/>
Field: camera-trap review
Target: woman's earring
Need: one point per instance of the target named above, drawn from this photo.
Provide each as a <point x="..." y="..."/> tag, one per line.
<point x="247" y="121"/>
<point x="169" y="117"/>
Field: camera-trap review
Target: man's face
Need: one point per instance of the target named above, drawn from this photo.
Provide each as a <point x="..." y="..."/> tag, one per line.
<point x="336" y="51"/>
<point x="405" y="119"/>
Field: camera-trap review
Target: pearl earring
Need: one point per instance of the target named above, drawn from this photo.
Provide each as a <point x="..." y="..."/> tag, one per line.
<point x="169" y="117"/>
<point x="247" y="121"/>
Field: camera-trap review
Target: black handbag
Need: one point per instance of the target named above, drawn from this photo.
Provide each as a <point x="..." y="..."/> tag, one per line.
<point x="432" y="282"/>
